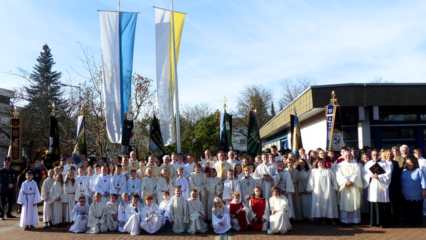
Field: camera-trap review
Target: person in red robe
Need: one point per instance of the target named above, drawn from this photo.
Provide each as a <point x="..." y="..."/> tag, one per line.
<point x="238" y="213"/>
<point x="258" y="206"/>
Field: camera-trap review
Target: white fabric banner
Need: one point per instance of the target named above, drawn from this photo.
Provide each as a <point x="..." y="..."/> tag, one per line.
<point x="110" y="47"/>
<point x="165" y="91"/>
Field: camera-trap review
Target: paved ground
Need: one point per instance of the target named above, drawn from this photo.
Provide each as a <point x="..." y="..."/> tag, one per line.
<point x="9" y="230"/>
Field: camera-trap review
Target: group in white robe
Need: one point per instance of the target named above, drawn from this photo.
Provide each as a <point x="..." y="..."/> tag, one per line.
<point x="28" y="198"/>
<point x="322" y="183"/>
<point x="349" y="179"/>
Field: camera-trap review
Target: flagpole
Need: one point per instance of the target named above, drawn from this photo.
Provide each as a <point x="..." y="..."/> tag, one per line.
<point x="118" y="5"/>
<point x="177" y="117"/>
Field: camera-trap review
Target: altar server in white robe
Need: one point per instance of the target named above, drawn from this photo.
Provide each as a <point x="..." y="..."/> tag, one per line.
<point x="279" y="221"/>
<point x="132" y="225"/>
<point x="266" y="176"/>
<point x="96" y="219"/>
<point x="111" y="214"/>
<point x="80" y="214"/>
<point x="214" y="187"/>
<point x="378" y="190"/>
<point x="230" y="185"/>
<point x="182" y="182"/>
<point x="69" y="196"/>
<point x="163" y="184"/>
<point x="247" y="184"/>
<point x="47" y="206"/>
<point x="322" y="183"/>
<point x="179" y="214"/>
<point x="124" y="210"/>
<point x="196" y="214"/>
<point x="164" y="207"/>
<point x="82" y="185"/>
<point x="286" y="186"/>
<point x="149" y="183"/>
<point x="28" y="198"/>
<point x="221" y="220"/>
<point x="349" y="179"/>
<point x="103" y="184"/>
<point x="118" y="181"/>
<point x="56" y="196"/>
<point x="134" y="183"/>
<point x="151" y="219"/>
<point x="197" y="180"/>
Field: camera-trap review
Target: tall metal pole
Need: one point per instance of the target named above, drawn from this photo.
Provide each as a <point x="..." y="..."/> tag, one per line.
<point x="177" y="116"/>
<point x="118" y="5"/>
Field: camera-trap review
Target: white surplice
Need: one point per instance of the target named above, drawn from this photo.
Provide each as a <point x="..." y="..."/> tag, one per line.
<point x="196" y="216"/>
<point x="350" y="197"/>
<point x="80" y="216"/>
<point x="132" y="225"/>
<point x="151" y="219"/>
<point x="322" y="183"/>
<point x="262" y="170"/>
<point x="28" y="198"/>
<point x="378" y="189"/>
<point x="179" y="214"/>
<point x="47" y="206"/>
<point x="279" y="221"/>
<point x="55" y="198"/>
<point x="221" y="220"/>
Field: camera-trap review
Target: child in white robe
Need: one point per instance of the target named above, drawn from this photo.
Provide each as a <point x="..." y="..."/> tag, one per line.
<point x="221" y="220"/>
<point x="151" y="219"/>
<point x="196" y="214"/>
<point x="82" y="185"/>
<point x="80" y="214"/>
<point x="179" y="210"/>
<point x="165" y="210"/>
<point x="197" y="180"/>
<point x="123" y="211"/>
<point x="103" y="184"/>
<point x="322" y="183"/>
<point x="149" y="182"/>
<point x="279" y="221"/>
<point x="182" y="182"/>
<point x="47" y="206"/>
<point x="118" y="181"/>
<point x="96" y="222"/>
<point x="163" y="184"/>
<point x="132" y="224"/>
<point x="55" y="198"/>
<point x="133" y="183"/>
<point x="214" y="187"/>
<point x="230" y="185"/>
<point x="28" y="198"/>
<point x="247" y="184"/>
<point x="111" y="214"/>
<point x="69" y="196"/>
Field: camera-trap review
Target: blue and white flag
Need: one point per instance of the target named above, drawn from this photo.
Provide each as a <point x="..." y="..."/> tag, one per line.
<point x="117" y="42"/>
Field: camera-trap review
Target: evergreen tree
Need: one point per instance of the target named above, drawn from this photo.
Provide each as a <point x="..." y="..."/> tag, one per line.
<point x="272" y="109"/>
<point x="43" y="91"/>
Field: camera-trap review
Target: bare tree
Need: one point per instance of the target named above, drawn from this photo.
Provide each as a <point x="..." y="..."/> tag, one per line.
<point x="291" y="89"/>
<point x="196" y="112"/>
<point x="255" y="97"/>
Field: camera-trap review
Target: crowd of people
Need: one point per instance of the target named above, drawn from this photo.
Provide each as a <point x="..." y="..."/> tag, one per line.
<point x="229" y="192"/>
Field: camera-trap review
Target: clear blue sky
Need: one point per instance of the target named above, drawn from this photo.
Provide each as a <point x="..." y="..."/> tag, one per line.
<point x="230" y="44"/>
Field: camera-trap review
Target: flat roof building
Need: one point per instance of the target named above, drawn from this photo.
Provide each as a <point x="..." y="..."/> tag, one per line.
<point x="374" y="115"/>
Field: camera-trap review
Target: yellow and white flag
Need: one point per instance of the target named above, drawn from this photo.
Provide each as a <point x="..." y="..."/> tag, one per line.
<point x="168" y="32"/>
